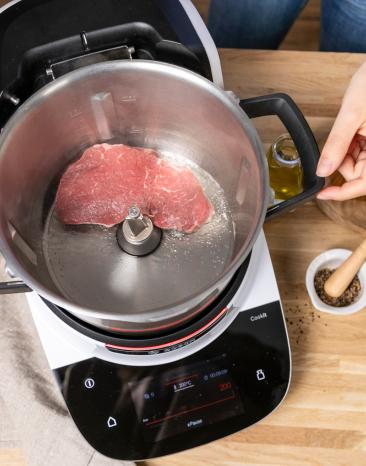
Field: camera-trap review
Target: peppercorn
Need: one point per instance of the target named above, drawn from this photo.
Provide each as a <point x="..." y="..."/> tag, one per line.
<point x="348" y="297"/>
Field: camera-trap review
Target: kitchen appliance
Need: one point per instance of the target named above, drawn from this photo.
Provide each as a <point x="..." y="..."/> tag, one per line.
<point x="138" y="393"/>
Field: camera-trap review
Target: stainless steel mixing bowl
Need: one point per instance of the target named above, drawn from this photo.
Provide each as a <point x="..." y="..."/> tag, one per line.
<point x="185" y="118"/>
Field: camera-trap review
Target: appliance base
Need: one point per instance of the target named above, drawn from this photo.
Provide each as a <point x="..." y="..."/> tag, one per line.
<point x="137" y="412"/>
<point x="136" y="407"/>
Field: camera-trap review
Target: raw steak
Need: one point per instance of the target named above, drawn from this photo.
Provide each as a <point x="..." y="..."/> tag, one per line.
<point x="108" y="179"/>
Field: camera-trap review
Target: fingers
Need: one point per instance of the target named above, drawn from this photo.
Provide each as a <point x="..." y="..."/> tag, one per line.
<point x="349" y="190"/>
<point x="362" y="131"/>
<point x="360" y="166"/>
<point x="344" y="129"/>
<point x="353" y="167"/>
<point x="347" y="168"/>
<point x="350" y="120"/>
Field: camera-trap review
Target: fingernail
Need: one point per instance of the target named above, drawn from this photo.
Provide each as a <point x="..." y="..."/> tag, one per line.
<point x="324" y="168"/>
<point x="322" y="196"/>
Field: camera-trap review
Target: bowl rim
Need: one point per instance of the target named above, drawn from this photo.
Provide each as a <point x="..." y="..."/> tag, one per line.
<point x="177" y="308"/>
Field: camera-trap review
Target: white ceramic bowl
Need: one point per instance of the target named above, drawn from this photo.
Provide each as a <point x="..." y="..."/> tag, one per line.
<point x="332" y="259"/>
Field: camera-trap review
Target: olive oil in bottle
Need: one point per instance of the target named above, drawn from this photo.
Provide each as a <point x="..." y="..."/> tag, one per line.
<point x="285" y="170"/>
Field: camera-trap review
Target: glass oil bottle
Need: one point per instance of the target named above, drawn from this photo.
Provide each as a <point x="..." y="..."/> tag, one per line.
<point x="285" y="169"/>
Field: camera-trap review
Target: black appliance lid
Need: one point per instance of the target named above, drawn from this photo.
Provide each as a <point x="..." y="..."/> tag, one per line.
<point x="31" y="29"/>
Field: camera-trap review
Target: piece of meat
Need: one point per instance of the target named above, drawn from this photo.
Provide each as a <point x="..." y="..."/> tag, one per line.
<point x="100" y="187"/>
<point x="177" y="200"/>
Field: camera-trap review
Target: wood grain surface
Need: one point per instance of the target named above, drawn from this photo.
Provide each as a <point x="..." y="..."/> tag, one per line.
<point x="323" y="419"/>
<point x="11" y="457"/>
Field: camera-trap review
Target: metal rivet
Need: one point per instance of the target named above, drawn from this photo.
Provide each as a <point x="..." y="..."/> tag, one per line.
<point x="84" y="40"/>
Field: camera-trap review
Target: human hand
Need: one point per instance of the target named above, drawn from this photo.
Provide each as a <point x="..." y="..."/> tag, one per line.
<point x="345" y="149"/>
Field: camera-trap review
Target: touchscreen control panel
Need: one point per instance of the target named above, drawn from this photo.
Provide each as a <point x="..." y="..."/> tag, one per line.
<point x="134" y="413"/>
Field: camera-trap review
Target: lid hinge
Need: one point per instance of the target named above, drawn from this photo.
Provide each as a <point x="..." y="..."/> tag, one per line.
<point x="57" y="69"/>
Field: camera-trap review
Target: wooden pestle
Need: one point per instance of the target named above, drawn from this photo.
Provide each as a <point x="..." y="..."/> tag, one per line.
<point x="339" y="281"/>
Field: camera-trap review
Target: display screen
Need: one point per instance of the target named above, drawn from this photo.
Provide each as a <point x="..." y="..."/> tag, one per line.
<point x="186" y="398"/>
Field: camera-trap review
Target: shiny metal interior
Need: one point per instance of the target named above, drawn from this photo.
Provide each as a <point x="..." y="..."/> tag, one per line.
<point x="137" y="235"/>
<point x="81" y="268"/>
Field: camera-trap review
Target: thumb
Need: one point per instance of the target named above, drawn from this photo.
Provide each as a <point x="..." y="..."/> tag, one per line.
<point x="339" y="140"/>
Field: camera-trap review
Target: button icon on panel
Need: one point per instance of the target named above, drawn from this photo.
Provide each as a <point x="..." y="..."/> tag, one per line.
<point x="111" y="422"/>
<point x="260" y="374"/>
<point x="89" y="383"/>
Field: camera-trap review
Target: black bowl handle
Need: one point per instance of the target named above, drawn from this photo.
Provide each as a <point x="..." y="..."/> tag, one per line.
<point x="285" y="108"/>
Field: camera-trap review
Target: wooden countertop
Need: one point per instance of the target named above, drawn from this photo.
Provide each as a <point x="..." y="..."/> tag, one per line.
<point x="323" y="419"/>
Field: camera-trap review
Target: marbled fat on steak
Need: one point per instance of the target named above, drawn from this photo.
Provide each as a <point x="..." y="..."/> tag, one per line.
<point x="100" y="187"/>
